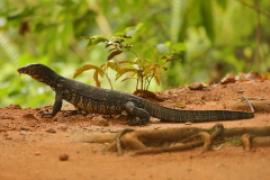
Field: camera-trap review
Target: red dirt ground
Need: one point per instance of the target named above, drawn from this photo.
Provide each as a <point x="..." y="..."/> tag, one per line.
<point x="31" y="147"/>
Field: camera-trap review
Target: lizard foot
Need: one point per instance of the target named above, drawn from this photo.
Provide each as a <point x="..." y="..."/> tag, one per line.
<point x="74" y="112"/>
<point x="139" y="116"/>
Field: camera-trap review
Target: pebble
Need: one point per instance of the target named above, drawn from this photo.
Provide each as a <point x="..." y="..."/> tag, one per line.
<point x="51" y="130"/>
<point x="24" y="128"/>
<point x="229" y="78"/>
<point x="29" y="116"/>
<point x="63" y="157"/>
<point x="37" y="153"/>
<point x="197" y="86"/>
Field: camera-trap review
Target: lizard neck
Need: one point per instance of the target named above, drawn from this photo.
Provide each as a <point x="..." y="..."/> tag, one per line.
<point x="48" y="77"/>
<point x="54" y="81"/>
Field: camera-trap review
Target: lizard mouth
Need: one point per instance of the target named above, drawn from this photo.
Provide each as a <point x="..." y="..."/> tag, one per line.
<point x="31" y="72"/>
<point x="25" y="70"/>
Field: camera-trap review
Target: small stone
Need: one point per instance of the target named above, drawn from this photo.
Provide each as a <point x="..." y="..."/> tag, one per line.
<point x="63" y="157"/>
<point x="24" y="128"/>
<point x="37" y="153"/>
<point x="197" y="86"/>
<point x="29" y="116"/>
<point x="229" y="78"/>
<point x="51" y="130"/>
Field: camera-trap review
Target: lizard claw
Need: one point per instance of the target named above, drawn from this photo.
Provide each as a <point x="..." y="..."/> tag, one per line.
<point x="45" y="114"/>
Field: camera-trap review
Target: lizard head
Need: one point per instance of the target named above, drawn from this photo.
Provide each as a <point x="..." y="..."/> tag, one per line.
<point x="39" y="72"/>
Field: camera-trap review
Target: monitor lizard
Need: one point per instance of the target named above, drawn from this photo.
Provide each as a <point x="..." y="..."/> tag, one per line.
<point x="104" y="101"/>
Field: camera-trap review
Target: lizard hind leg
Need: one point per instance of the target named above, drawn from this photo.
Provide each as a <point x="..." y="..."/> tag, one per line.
<point x="138" y="115"/>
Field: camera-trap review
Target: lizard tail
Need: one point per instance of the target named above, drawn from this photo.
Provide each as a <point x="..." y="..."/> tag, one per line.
<point x="175" y="115"/>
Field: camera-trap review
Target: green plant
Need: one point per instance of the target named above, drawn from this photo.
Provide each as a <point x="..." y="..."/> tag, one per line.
<point x="131" y="65"/>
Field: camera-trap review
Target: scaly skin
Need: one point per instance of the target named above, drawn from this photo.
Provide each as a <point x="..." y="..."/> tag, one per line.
<point x="104" y="101"/>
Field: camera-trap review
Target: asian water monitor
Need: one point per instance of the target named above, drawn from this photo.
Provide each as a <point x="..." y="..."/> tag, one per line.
<point x="105" y="101"/>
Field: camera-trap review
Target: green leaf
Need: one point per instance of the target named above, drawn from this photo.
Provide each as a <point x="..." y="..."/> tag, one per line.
<point x="94" y="40"/>
<point x="87" y="67"/>
<point x="114" y="53"/>
<point x="123" y="71"/>
<point x="97" y="71"/>
<point x="131" y="31"/>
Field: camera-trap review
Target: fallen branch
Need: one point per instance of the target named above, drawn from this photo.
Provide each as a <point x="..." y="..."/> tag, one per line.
<point x="207" y="138"/>
<point x="259" y="105"/>
<point x="153" y="141"/>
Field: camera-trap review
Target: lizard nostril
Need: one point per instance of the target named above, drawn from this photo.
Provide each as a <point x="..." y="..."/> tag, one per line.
<point x="20" y="70"/>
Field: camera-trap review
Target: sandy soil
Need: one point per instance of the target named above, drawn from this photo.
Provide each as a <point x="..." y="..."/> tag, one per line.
<point x="32" y="147"/>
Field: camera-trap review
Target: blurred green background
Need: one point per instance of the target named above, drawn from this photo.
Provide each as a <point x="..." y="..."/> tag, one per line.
<point x="213" y="37"/>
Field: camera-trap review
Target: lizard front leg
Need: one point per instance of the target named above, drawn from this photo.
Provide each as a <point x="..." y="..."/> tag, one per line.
<point x="56" y="106"/>
<point x="139" y="115"/>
